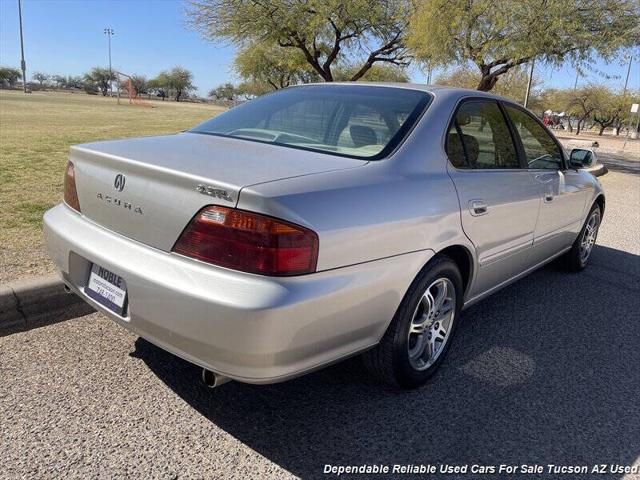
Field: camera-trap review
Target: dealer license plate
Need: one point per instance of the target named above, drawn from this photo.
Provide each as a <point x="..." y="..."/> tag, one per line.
<point x="107" y="288"/>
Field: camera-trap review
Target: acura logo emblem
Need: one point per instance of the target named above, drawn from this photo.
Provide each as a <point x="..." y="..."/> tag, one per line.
<point x="119" y="182"/>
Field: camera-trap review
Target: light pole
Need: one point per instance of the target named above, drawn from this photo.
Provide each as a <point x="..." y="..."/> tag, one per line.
<point x="108" y="31"/>
<point x="626" y="82"/>
<point x="23" y="64"/>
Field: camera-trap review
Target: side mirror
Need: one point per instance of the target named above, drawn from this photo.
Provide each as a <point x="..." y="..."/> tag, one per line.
<point x="581" y="158"/>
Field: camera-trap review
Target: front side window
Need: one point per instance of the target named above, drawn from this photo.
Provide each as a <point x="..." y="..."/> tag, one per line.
<point x="356" y="121"/>
<point x="480" y="139"/>
<point x="540" y="150"/>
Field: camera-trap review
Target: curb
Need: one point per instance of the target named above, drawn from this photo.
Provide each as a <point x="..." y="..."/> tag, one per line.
<point x="24" y="303"/>
<point x="604" y="151"/>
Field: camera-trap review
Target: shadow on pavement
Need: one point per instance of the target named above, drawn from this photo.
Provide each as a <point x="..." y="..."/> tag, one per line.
<point x="545" y="371"/>
<point x="56" y="314"/>
<point x="620" y="163"/>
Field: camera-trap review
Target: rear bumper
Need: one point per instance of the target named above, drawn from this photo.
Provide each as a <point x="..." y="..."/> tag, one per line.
<point x="248" y="327"/>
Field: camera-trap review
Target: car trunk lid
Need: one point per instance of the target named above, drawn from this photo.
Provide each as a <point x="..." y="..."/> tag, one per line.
<point x="148" y="189"/>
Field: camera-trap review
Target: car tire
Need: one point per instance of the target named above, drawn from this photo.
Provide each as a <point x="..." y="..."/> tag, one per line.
<point x="577" y="258"/>
<point x="397" y="360"/>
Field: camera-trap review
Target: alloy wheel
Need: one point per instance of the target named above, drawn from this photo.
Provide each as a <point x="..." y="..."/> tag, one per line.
<point x="589" y="236"/>
<point x="431" y="324"/>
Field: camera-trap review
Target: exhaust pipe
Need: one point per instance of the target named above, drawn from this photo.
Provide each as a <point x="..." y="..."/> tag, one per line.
<point x="213" y="379"/>
<point x="67" y="289"/>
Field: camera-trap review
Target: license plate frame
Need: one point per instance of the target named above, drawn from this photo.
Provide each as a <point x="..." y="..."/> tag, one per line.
<point x="108" y="289"/>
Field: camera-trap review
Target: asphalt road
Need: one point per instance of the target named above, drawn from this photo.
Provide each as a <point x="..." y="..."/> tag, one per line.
<point x="546" y="371"/>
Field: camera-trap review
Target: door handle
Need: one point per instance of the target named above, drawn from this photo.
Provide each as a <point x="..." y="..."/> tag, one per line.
<point x="478" y="207"/>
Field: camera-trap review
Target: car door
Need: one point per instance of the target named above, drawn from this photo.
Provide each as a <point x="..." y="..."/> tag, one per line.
<point x="499" y="199"/>
<point x="563" y="192"/>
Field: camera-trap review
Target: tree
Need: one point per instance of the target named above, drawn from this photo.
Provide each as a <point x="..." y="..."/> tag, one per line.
<point x="581" y="103"/>
<point x="90" y="87"/>
<point x="626" y="117"/>
<point x="513" y="84"/>
<point x="9" y="76"/>
<point x="139" y="83"/>
<point x="592" y="103"/>
<point x="460" y="77"/>
<point x="557" y="100"/>
<point x="611" y="108"/>
<point x="101" y="78"/>
<point x="179" y="80"/>
<point x="75" y="82"/>
<point x="226" y="91"/>
<point x="60" y="81"/>
<point x="377" y="73"/>
<point x="250" y="88"/>
<point x="159" y="85"/>
<point x="273" y="66"/>
<point x="324" y="32"/>
<point x="499" y="36"/>
<point x="41" y="78"/>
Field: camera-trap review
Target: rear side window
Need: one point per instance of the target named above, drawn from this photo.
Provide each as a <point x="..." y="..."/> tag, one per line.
<point x="480" y="139"/>
<point x="539" y="148"/>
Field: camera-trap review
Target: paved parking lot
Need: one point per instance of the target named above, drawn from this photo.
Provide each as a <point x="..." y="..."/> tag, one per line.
<point x="546" y="371"/>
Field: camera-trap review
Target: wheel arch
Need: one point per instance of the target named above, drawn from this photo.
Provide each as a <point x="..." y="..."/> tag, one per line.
<point x="463" y="258"/>
<point x="601" y="202"/>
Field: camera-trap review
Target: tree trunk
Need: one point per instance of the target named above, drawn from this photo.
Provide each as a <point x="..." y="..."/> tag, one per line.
<point x="487" y="82"/>
<point x="360" y="73"/>
<point x="578" y="127"/>
<point x="602" y="127"/>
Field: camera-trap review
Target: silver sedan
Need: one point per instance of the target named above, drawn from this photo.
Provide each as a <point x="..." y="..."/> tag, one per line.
<point x="320" y="222"/>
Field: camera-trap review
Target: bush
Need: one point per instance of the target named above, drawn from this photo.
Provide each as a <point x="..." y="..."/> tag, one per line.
<point x="90" y="88"/>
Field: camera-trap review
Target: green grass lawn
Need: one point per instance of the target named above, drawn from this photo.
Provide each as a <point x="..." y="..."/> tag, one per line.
<point x="36" y="131"/>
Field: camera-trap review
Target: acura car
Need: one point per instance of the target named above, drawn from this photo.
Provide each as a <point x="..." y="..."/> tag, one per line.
<point x="320" y="222"/>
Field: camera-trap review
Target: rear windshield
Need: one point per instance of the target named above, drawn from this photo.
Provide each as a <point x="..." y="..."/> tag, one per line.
<point x="355" y="121"/>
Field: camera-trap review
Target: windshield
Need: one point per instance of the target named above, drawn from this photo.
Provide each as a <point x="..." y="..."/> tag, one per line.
<point x="365" y="122"/>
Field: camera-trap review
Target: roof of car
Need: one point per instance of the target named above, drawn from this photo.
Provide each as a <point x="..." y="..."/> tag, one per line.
<point x="453" y="91"/>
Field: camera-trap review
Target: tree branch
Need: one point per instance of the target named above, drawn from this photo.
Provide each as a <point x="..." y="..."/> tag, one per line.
<point x="326" y="66"/>
<point x="391" y="52"/>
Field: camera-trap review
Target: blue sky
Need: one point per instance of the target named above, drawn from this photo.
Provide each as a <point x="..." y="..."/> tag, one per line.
<point x="66" y="37"/>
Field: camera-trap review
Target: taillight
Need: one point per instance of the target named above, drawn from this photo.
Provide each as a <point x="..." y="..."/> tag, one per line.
<point x="70" y="192"/>
<point x="249" y="242"/>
